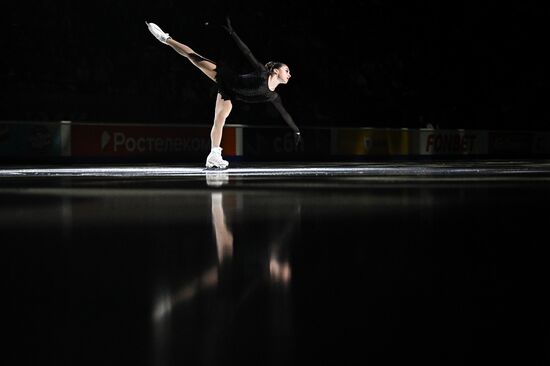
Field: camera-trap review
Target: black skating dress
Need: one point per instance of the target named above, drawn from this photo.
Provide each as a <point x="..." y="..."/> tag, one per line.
<point x="250" y="87"/>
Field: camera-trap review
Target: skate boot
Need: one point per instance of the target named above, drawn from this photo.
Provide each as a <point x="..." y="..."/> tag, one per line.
<point x="158" y="33"/>
<point x="215" y="160"/>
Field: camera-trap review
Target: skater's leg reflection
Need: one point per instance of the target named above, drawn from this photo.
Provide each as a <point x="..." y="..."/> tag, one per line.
<point x="201" y="320"/>
<point x="183" y="302"/>
<point x="224" y="237"/>
<point x="209" y="277"/>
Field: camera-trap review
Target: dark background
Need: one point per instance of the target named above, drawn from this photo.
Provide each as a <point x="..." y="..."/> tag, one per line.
<point x="462" y="64"/>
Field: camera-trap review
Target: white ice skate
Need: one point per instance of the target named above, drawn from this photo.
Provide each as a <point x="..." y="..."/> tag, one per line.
<point x="157" y="32"/>
<point x="215" y="160"/>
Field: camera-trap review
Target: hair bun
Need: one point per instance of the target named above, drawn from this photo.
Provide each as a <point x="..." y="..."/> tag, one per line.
<point x="272" y="65"/>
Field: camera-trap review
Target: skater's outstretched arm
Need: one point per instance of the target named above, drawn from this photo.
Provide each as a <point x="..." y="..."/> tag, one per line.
<point x="278" y="104"/>
<point x="242" y="46"/>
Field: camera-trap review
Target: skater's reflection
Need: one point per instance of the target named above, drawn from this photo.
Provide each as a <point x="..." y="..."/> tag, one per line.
<point x="200" y="320"/>
<point x="224" y="236"/>
<point x="209" y="277"/>
<point x="279" y="257"/>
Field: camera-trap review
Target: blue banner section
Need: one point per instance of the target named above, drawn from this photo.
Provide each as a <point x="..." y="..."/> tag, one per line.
<point x="30" y="139"/>
<point x="272" y="143"/>
<point x="511" y="142"/>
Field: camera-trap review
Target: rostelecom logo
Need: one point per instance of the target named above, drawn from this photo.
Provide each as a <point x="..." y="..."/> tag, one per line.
<point x="119" y="142"/>
<point x="105" y="139"/>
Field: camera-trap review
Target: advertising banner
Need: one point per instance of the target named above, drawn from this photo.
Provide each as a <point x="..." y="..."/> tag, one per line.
<point x="510" y="142"/>
<point x="370" y="141"/>
<point x="541" y="143"/>
<point x="148" y="140"/>
<point x="274" y="143"/>
<point x="31" y="139"/>
<point x="452" y="142"/>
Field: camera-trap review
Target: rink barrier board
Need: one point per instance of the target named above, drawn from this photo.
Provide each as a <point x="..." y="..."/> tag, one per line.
<point x="111" y="141"/>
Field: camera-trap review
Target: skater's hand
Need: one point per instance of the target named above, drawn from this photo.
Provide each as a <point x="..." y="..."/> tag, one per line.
<point x="298" y="138"/>
<point x="228" y="27"/>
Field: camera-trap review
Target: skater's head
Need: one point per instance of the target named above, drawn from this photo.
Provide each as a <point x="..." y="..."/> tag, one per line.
<point x="278" y="69"/>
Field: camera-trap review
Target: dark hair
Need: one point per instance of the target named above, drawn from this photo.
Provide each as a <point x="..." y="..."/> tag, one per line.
<point x="272" y="65"/>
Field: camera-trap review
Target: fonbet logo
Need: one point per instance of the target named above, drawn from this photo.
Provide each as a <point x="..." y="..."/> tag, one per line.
<point x="119" y="142"/>
<point x="450" y="142"/>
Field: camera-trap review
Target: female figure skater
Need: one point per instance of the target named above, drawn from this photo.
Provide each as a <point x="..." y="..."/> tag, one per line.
<point x="254" y="87"/>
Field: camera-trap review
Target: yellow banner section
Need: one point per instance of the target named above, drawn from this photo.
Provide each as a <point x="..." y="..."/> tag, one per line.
<point x="370" y="141"/>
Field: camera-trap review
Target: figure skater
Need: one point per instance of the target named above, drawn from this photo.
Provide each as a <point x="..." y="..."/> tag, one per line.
<point x="255" y="87"/>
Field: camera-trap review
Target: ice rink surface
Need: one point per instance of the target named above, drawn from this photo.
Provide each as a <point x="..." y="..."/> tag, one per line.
<point x="340" y="263"/>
